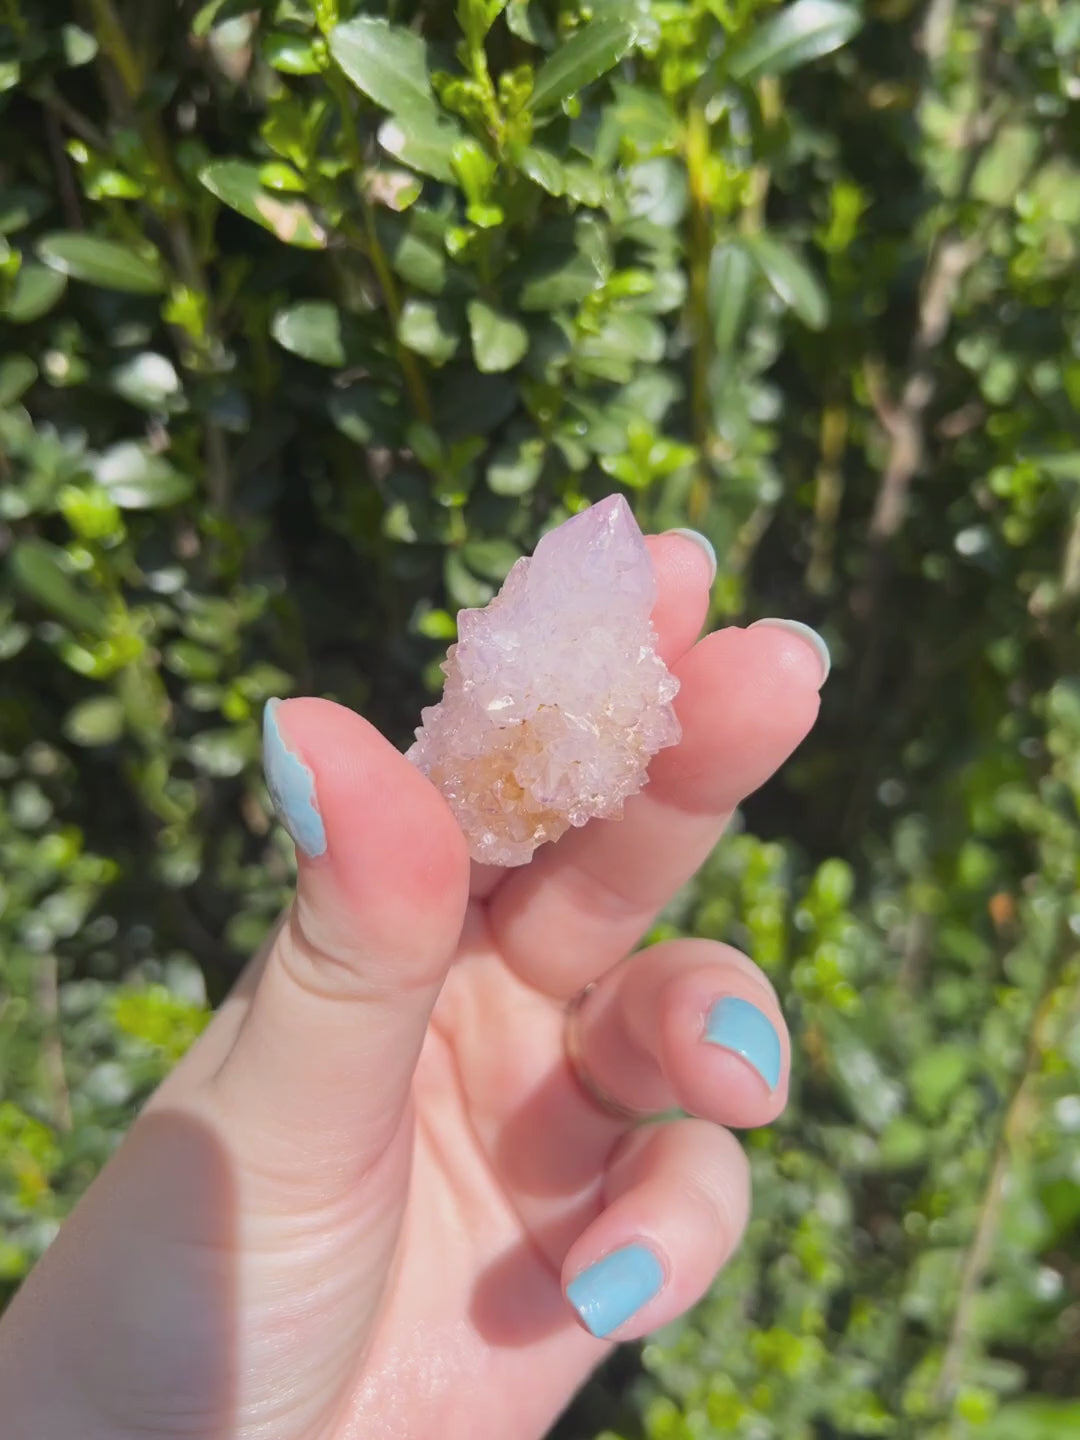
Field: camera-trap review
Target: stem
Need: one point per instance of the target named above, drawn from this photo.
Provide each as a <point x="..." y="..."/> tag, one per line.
<point x="47" y="994"/>
<point x="116" y="46"/>
<point x="697" y="155"/>
<point x="828" y="493"/>
<point x="384" y="275"/>
<point x="114" y="42"/>
<point x="1070" y="570"/>
<point x="410" y="368"/>
<point x="1014" y="1130"/>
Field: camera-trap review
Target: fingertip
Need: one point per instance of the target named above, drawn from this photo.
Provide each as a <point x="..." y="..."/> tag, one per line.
<point x="684" y="576"/>
<point x="380" y="835"/>
<point x="725" y="1047"/>
<point x="793" y="644"/>
<point x="291" y="783"/>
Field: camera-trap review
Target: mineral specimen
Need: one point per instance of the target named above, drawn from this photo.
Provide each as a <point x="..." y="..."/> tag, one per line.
<point x="555" y="698"/>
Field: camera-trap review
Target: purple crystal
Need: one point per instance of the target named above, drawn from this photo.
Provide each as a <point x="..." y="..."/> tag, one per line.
<point x="555" y="698"/>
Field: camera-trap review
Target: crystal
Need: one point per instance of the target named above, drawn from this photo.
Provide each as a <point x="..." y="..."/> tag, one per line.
<point x="555" y="698"/>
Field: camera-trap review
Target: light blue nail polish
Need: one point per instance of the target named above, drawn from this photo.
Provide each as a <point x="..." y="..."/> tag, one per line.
<point x="706" y="545"/>
<point x="804" y="632"/>
<point x="609" y="1292"/>
<point x="737" y="1025"/>
<point x="292" y="787"/>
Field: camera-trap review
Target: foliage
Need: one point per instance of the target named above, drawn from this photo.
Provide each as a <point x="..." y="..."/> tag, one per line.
<point x="313" y="317"/>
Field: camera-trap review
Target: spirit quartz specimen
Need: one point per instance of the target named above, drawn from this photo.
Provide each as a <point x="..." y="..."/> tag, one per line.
<point x="555" y="698"/>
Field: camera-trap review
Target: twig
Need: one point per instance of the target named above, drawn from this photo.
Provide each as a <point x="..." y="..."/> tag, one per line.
<point x="72" y="118"/>
<point x="47" y="995"/>
<point x="828" y="494"/>
<point x="69" y="195"/>
<point x="117" y="49"/>
<point x="951" y="256"/>
<point x="1013" y="1131"/>
<point x="1070" y="570"/>
<point x="936" y="30"/>
<point x="950" y="259"/>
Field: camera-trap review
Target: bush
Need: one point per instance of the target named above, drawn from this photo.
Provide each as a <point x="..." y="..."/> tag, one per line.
<point x="312" y="321"/>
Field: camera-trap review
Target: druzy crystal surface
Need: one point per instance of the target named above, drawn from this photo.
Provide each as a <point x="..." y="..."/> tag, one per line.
<point x="555" y="698"/>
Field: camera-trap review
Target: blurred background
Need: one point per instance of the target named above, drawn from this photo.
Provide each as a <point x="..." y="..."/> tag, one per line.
<point x="306" y="333"/>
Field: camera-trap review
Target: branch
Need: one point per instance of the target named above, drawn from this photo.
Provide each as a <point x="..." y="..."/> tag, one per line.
<point x="47" y="995"/>
<point x="1014" y="1130"/>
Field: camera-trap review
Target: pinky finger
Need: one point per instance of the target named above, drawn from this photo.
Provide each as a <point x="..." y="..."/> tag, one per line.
<point x="677" y="1202"/>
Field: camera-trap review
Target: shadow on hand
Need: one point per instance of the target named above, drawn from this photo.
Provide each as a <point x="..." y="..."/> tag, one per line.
<point x="129" y="1321"/>
<point x="552" y="1154"/>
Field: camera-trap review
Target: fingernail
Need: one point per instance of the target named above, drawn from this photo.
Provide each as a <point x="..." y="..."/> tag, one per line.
<point x="804" y="632"/>
<point x="292" y="787"/>
<point x="706" y="545"/>
<point x="609" y="1292"/>
<point x="737" y="1025"/>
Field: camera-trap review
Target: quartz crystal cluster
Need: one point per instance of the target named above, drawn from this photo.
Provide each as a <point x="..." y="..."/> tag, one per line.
<point x="555" y="698"/>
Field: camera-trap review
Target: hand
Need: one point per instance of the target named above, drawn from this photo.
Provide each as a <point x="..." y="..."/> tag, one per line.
<point x="375" y="1200"/>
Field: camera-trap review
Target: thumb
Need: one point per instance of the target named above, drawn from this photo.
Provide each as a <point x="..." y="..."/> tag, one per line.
<point x="320" y="1070"/>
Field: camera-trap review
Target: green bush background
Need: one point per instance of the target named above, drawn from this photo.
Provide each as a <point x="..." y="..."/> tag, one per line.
<point x="310" y="325"/>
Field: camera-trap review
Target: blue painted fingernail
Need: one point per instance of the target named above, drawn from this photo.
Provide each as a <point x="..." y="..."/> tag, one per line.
<point x="292" y="787"/>
<point x="609" y="1292"/>
<point x="705" y="543"/>
<point x="804" y="632"/>
<point x="737" y="1025"/>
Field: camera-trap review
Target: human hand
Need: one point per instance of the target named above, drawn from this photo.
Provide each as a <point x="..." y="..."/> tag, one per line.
<point x="375" y="1199"/>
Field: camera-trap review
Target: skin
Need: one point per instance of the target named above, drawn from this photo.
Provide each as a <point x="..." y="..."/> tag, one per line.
<point x="353" y="1209"/>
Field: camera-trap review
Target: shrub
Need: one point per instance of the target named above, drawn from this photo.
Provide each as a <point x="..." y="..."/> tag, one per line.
<point x="313" y="318"/>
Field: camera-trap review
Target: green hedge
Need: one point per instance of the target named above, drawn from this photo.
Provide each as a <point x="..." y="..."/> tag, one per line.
<point x="311" y="320"/>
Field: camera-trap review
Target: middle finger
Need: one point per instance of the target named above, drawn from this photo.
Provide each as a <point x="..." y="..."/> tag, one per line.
<point x="747" y="699"/>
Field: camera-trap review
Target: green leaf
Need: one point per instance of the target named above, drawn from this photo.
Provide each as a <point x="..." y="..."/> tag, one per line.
<point x="17" y="374"/>
<point x="291" y="54"/>
<point x="526" y="20"/>
<point x="791" y="278"/>
<point x="474" y="170"/>
<point x="543" y="169"/>
<point x="498" y="341"/>
<point x="423" y="140"/>
<point x="418" y="257"/>
<point x="35" y="292"/>
<point x="237" y="184"/>
<point x="642" y="120"/>
<point x="1034" y="1419"/>
<point x="77" y="46"/>
<point x="731" y="277"/>
<point x="97" y="721"/>
<point x="10" y="74"/>
<point x="551" y="284"/>
<point x="108" y="263"/>
<point x="468" y="404"/>
<point x="425" y="328"/>
<point x="135" y="479"/>
<point x="387" y="63"/>
<point x="936" y="1076"/>
<point x="20" y="205"/>
<point x="490" y="559"/>
<point x="592" y="52"/>
<point x="41" y="570"/>
<point x="313" y="330"/>
<point x="148" y="380"/>
<point x="800" y="32"/>
<point x="363" y="416"/>
<point x="463" y="587"/>
<point x="516" y="469"/>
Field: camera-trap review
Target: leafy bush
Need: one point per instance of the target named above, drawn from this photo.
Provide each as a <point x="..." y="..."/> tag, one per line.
<point x="313" y="319"/>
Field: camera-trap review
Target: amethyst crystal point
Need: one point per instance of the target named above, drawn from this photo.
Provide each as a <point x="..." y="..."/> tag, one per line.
<point x="555" y="698"/>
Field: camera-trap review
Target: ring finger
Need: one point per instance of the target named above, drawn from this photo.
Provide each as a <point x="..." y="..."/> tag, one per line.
<point x="688" y="1024"/>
